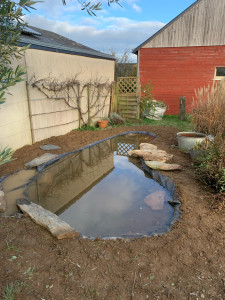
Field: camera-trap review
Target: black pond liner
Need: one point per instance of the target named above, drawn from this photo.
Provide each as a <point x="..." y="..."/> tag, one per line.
<point x="163" y="180"/>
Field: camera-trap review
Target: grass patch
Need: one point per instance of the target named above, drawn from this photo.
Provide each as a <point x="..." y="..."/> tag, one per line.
<point x="169" y="120"/>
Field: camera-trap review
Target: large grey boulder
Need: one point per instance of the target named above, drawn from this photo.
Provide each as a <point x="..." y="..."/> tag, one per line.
<point x="47" y="219"/>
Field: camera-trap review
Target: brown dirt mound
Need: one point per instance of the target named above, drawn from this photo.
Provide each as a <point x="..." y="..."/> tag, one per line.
<point x="186" y="263"/>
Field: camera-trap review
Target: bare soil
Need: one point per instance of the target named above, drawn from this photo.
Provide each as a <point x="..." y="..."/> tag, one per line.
<point x="186" y="263"/>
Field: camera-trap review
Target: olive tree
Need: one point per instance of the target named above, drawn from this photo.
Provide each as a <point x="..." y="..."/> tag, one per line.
<point x="11" y="25"/>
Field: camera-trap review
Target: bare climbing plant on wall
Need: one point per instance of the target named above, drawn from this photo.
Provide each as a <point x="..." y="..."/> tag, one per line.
<point x="89" y="98"/>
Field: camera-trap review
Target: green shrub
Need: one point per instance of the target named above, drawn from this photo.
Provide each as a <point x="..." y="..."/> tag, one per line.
<point x="210" y="167"/>
<point x="146" y="99"/>
<point x="6" y="156"/>
<point x="116" y="119"/>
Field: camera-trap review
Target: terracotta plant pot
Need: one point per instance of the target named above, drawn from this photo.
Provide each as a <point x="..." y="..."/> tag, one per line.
<point x="102" y="123"/>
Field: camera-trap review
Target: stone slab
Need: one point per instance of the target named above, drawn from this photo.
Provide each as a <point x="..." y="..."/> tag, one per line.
<point x="57" y="227"/>
<point x="2" y="201"/>
<point x="154" y="155"/>
<point x="158" y="165"/>
<point x="49" y="147"/>
<point x="40" y="160"/>
<point x="147" y="146"/>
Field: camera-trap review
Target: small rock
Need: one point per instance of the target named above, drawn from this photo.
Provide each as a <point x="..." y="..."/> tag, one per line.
<point x="147" y="146"/>
<point x="47" y="219"/>
<point x="2" y="201"/>
<point x="49" y="147"/>
<point x="158" y="165"/>
<point x="41" y="160"/>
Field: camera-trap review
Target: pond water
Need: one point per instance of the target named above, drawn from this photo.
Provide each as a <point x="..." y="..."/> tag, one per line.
<point x="103" y="192"/>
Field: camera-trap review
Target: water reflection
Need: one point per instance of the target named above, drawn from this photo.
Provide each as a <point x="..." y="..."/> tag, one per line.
<point x="102" y="192"/>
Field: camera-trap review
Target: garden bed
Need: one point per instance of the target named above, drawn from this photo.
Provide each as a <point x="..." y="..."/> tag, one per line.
<point x="186" y="263"/>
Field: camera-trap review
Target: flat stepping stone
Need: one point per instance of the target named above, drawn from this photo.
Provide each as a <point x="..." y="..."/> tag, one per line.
<point x="57" y="227"/>
<point x="49" y="147"/>
<point x="158" y="165"/>
<point x="40" y="160"/>
<point x="2" y="201"/>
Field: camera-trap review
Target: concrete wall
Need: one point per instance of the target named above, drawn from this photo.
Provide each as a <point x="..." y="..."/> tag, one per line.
<point x="14" y="117"/>
<point x="48" y="117"/>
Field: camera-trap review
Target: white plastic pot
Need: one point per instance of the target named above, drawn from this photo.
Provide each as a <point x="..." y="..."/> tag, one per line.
<point x="156" y="113"/>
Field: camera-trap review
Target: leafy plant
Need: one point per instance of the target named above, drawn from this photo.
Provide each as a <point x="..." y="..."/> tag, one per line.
<point x="6" y="155"/>
<point x="11" y="26"/>
<point x="146" y="99"/>
<point x="116" y="119"/>
<point x="91" y="7"/>
<point x="210" y="167"/>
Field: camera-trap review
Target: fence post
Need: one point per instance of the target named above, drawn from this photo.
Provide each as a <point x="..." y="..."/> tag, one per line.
<point x="89" y="113"/>
<point x="182" y="109"/>
<point x="116" y="96"/>
<point x="79" y="109"/>
<point x="138" y="97"/>
<point x="30" y="113"/>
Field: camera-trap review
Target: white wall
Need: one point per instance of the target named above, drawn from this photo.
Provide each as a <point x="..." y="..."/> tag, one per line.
<point x="48" y="117"/>
<point x="14" y="117"/>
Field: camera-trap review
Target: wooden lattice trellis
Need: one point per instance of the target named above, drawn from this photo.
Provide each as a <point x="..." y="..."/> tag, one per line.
<point x="128" y="95"/>
<point x="127" y="85"/>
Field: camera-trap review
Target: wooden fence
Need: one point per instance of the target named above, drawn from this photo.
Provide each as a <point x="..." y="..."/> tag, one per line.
<point x="128" y="97"/>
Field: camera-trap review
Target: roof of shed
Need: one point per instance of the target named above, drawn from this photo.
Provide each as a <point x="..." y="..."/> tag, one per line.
<point x="135" y="51"/>
<point x="49" y="41"/>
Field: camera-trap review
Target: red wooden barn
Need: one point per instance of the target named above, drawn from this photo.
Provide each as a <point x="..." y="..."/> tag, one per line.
<point x="186" y="54"/>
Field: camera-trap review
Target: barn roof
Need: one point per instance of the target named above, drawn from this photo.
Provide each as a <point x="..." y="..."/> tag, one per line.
<point x="166" y="26"/>
<point x="49" y="41"/>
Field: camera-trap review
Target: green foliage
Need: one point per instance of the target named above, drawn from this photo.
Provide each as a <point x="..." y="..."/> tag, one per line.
<point x="6" y="156"/>
<point x="146" y="99"/>
<point x="87" y="127"/>
<point x="169" y="120"/>
<point x="11" y="26"/>
<point x="116" y="119"/>
<point x="91" y="7"/>
<point x="210" y="167"/>
<point x="11" y="290"/>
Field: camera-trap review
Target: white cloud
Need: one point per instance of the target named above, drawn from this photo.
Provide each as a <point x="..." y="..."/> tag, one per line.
<point x="137" y="8"/>
<point x="103" y="33"/>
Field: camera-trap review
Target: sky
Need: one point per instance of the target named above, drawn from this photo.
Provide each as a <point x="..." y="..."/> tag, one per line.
<point x="115" y="28"/>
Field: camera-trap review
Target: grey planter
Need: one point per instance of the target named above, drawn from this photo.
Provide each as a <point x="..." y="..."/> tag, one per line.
<point x="188" y="140"/>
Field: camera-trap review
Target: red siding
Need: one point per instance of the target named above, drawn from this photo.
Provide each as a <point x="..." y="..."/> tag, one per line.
<point x="177" y="72"/>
